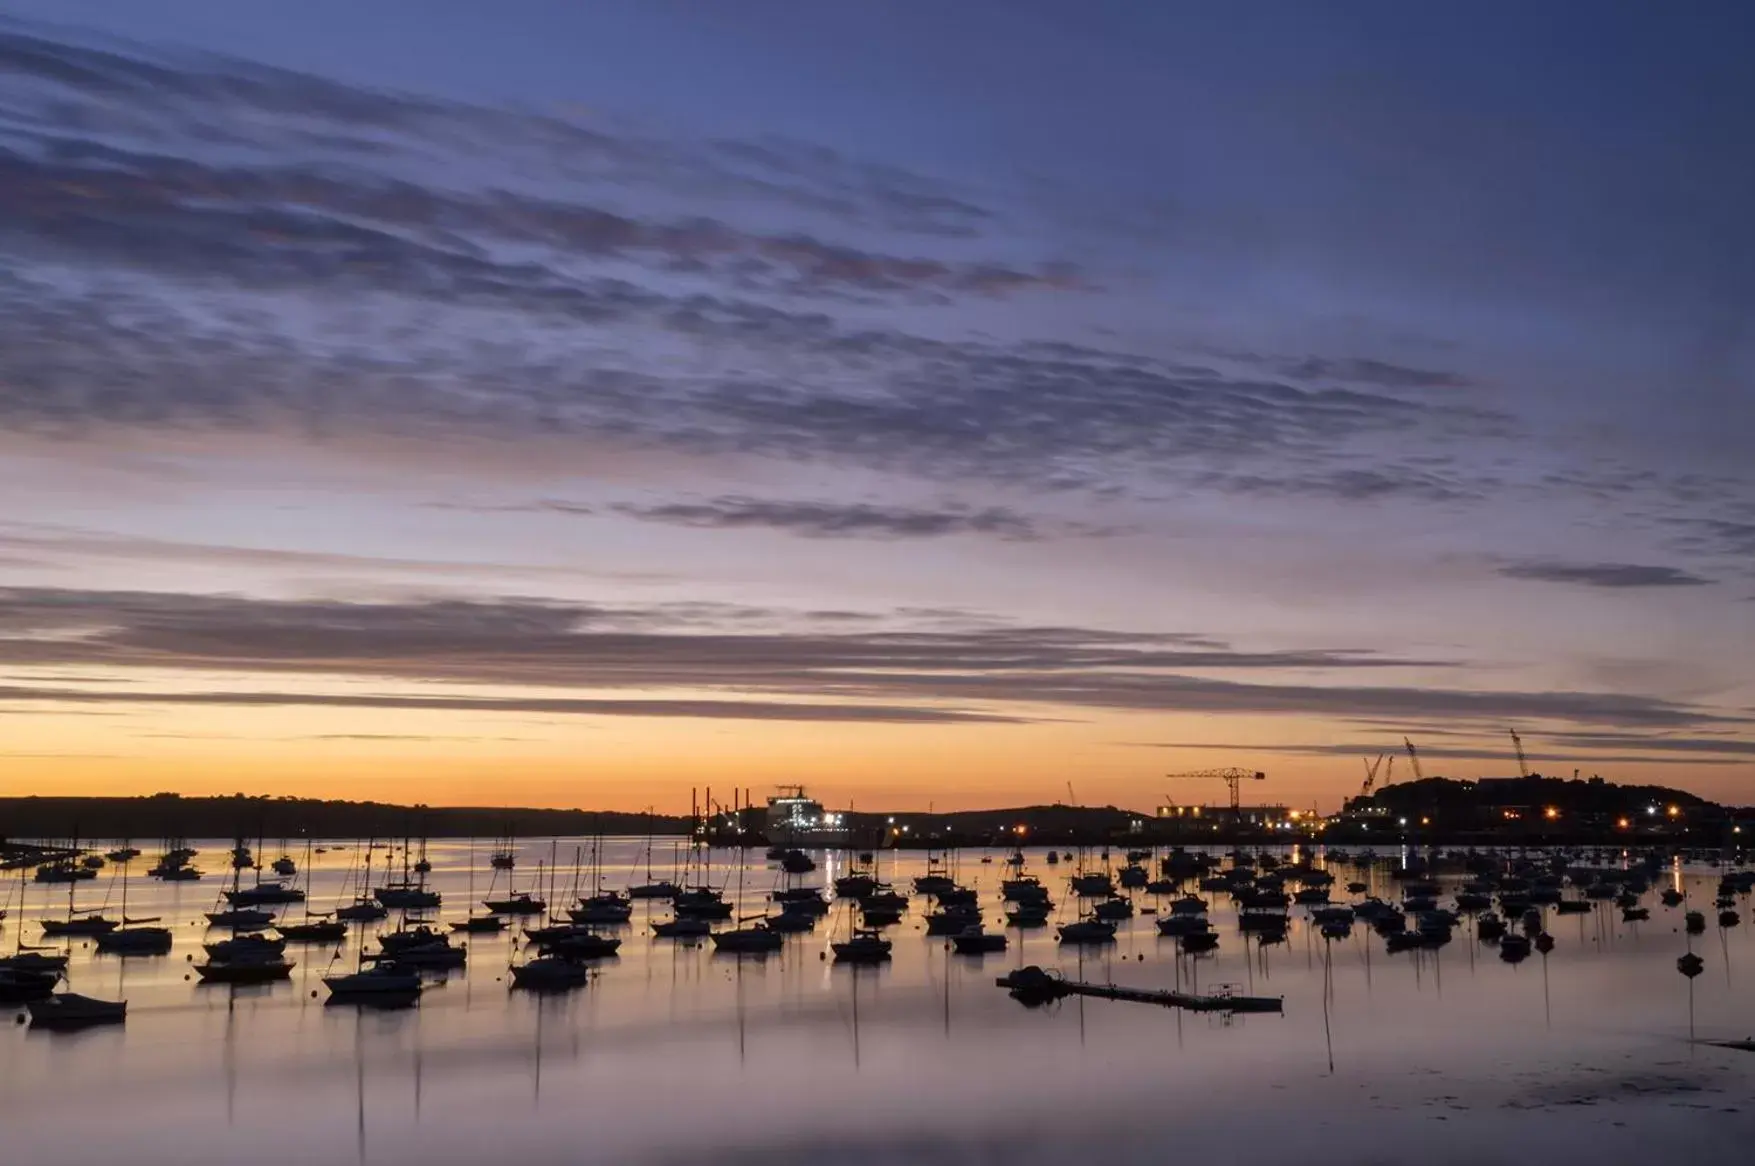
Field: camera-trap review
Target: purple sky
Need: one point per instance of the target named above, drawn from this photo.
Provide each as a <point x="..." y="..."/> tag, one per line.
<point x="899" y="399"/>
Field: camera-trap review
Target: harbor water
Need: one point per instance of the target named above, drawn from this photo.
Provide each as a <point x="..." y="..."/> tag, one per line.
<point x="1598" y="1052"/>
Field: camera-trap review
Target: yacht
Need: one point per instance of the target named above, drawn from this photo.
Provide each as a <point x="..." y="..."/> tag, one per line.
<point x="522" y="903"/>
<point x="313" y="930"/>
<point x="245" y="947"/>
<point x="662" y="889"/>
<point x="702" y="903"/>
<point x="952" y="920"/>
<point x="549" y="973"/>
<point x="71" y="1010"/>
<point x="797" y="862"/>
<point x="19" y="985"/>
<point x="362" y="911"/>
<point x="135" y="941"/>
<point x="285" y="867"/>
<point x="63" y="872"/>
<point x="1088" y="931"/>
<point x="601" y="911"/>
<point x="863" y="947"/>
<point x="480" y="925"/>
<point x="84" y="926"/>
<point x="791" y="922"/>
<point x="756" y="938"/>
<point x="1096" y="885"/>
<point x="239" y="917"/>
<point x="264" y="894"/>
<point x="383" y="978"/>
<point x="574" y="941"/>
<point x="855" y="886"/>
<point x="407" y="896"/>
<point x="1114" y="910"/>
<point x="254" y="969"/>
<point x="977" y="940"/>
<point x="682" y="928"/>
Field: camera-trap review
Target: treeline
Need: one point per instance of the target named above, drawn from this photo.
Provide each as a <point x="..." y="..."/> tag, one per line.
<point x="162" y="816"/>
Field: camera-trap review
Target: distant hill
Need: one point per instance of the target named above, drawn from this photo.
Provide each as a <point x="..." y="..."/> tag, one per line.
<point x="171" y="815"/>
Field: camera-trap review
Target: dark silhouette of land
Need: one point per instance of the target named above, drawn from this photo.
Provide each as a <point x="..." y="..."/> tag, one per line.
<point x="1511" y="811"/>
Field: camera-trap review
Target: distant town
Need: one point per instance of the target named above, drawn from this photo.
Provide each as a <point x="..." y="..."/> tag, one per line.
<point x="1533" y="810"/>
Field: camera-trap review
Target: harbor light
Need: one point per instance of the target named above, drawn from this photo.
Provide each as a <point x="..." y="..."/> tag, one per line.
<point x="1403" y="821"/>
<point x="1623" y="823"/>
<point x="1551" y="813"/>
<point x="1675" y="811"/>
<point x="1425" y="821"/>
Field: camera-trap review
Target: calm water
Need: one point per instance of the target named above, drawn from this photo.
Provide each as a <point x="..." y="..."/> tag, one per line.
<point x="675" y="1054"/>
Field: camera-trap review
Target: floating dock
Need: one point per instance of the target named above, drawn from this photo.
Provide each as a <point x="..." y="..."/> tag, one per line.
<point x="1032" y="985"/>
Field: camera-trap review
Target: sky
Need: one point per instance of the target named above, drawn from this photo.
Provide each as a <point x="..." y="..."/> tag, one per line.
<point x="556" y="404"/>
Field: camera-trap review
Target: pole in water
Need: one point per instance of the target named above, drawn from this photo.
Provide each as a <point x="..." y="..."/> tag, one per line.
<point x="1328" y="982"/>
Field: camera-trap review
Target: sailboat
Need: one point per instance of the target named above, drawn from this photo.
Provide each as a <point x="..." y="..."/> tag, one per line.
<point x="478" y="924"/>
<point x="752" y="936"/>
<point x="28" y="974"/>
<point x="76" y="924"/>
<point x="409" y="893"/>
<point x="364" y="908"/>
<point x="235" y="916"/>
<point x="135" y="936"/>
<point x="315" y="928"/>
<point x="602" y="906"/>
<point x="653" y="888"/>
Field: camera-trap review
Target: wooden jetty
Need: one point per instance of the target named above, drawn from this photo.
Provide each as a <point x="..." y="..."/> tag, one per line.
<point x="1033" y="985"/>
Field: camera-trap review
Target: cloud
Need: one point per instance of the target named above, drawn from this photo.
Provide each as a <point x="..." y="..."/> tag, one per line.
<point x="1387" y="482"/>
<point x="172" y="273"/>
<point x="61" y="546"/>
<point x="939" y="671"/>
<point x="1363" y="370"/>
<point x="1609" y="575"/>
<point x="840" y="519"/>
<point x="1649" y="752"/>
<point x="742" y="710"/>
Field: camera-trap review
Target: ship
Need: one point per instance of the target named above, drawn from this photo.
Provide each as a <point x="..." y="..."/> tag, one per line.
<point x="798" y="820"/>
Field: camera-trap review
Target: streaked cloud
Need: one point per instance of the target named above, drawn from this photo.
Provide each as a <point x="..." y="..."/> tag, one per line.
<point x="945" y="673"/>
<point x="1609" y="575"/>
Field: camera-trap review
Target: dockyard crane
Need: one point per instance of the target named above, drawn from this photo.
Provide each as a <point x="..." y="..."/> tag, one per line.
<point x="1414" y="759"/>
<point x="1233" y="779"/>
<point x="1371" y="768"/>
<point x="1523" y="766"/>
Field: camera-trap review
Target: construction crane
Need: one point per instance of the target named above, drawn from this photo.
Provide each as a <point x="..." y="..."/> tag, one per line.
<point x="1414" y="759"/>
<point x="1371" y="768"/>
<point x="1233" y="778"/>
<point x="1523" y="766"/>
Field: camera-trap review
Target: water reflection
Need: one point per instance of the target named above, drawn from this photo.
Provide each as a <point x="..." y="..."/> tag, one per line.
<point x="672" y="1049"/>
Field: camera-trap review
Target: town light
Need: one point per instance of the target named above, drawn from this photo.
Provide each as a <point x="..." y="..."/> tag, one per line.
<point x="1623" y="823"/>
<point x="1551" y="813"/>
<point x="1675" y="811"/>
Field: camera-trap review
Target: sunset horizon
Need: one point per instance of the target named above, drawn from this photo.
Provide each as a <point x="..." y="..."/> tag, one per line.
<point x="428" y="427"/>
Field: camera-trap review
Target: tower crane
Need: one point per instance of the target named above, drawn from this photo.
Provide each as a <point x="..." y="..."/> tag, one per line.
<point x="1233" y="779"/>
<point x="1523" y="766"/>
<point x="1414" y="759"/>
